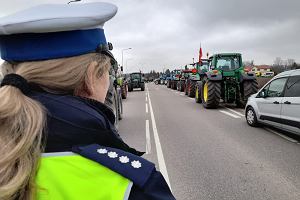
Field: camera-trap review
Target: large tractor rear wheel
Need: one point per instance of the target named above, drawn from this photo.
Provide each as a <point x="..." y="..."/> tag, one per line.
<point x="178" y="86"/>
<point x="192" y="89"/>
<point x="211" y="94"/>
<point x="182" y="85"/>
<point x="130" y="88"/>
<point x="249" y="87"/>
<point x="143" y="87"/>
<point x="168" y="84"/>
<point x="174" y="85"/>
<point x="124" y="91"/>
<point x="171" y="84"/>
<point x="186" y="87"/>
<point x="198" y="95"/>
<point x="120" y="104"/>
<point x="113" y="102"/>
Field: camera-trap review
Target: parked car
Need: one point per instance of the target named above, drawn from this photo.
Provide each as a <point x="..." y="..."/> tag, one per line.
<point x="277" y="103"/>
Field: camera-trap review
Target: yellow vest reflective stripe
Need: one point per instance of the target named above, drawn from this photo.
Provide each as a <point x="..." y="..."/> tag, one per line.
<point x="68" y="176"/>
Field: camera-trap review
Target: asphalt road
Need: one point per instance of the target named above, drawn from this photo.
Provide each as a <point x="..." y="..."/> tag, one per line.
<point x="210" y="154"/>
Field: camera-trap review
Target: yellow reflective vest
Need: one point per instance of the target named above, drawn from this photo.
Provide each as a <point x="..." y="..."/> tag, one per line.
<point x="64" y="176"/>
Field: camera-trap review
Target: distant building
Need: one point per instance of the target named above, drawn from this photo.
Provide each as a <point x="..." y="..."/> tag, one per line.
<point x="262" y="70"/>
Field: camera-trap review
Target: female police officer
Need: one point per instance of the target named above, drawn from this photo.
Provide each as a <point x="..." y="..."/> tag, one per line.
<point x="56" y="136"/>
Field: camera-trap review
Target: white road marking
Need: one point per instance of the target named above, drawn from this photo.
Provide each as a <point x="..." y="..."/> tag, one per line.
<point x="146" y="108"/>
<point x="146" y="98"/>
<point x="148" y="139"/>
<point x="238" y="113"/>
<point x="182" y="94"/>
<point x="160" y="156"/>
<point x="229" y="114"/>
<point x="283" y="136"/>
<point x="177" y="92"/>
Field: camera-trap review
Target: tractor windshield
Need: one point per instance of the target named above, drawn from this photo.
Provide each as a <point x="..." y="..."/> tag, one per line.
<point x="177" y="71"/>
<point x="204" y="65"/>
<point x="228" y="63"/>
<point x="135" y="76"/>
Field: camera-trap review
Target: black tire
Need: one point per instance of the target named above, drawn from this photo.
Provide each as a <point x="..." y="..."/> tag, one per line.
<point x="249" y="87"/>
<point x="111" y="101"/>
<point x="168" y="84"/>
<point x="198" y="95"/>
<point x="213" y="94"/>
<point x="182" y="85"/>
<point x="143" y="87"/>
<point x="120" y="105"/>
<point x="124" y="91"/>
<point x="174" y="85"/>
<point x="251" y="117"/>
<point x="178" y="86"/>
<point x="130" y="88"/>
<point x="186" y="87"/>
<point x="192" y="89"/>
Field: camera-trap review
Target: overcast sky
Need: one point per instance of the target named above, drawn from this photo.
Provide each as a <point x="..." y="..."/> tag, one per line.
<point x="167" y="33"/>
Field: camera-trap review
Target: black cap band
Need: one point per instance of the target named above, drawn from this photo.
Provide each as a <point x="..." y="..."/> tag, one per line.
<point x="16" y="81"/>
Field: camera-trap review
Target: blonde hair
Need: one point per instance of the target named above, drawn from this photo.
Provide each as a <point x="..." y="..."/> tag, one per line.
<point x="22" y="119"/>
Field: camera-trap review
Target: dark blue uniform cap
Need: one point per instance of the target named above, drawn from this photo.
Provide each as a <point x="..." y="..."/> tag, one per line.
<point x="44" y="46"/>
<point x="53" y="31"/>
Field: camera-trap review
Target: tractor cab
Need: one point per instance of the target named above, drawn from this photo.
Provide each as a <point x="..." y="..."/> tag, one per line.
<point x="203" y="65"/>
<point x="136" y="76"/>
<point x="192" y="71"/>
<point x="228" y="64"/>
<point x="176" y="74"/>
<point x="185" y="73"/>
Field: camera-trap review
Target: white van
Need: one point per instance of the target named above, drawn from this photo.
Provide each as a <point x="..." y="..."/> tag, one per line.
<point x="277" y="103"/>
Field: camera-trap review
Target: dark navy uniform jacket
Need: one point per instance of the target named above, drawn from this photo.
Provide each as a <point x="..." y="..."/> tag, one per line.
<point x="83" y="126"/>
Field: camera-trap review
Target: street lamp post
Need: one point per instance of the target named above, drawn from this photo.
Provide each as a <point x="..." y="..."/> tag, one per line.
<point x="123" y="56"/>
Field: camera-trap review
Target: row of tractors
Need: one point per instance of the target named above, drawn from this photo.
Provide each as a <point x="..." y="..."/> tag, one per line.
<point x="220" y="78"/>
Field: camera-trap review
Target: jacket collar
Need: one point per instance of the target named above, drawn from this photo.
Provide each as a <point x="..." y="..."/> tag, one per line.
<point x="100" y="107"/>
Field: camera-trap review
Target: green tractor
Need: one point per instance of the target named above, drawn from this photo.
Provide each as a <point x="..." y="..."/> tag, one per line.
<point x="194" y="76"/>
<point x="136" y="80"/>
<point x="225" y="80"/>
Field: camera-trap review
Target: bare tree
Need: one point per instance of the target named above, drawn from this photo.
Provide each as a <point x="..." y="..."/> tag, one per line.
<point x="278" y="62"/>
<point x="290" y="62"/>
<point x="249" y="63"/>
<point x="278" y="65"/>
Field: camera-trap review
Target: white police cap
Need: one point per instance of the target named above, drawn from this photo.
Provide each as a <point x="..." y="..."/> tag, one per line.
<point x="54" y="30"/>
